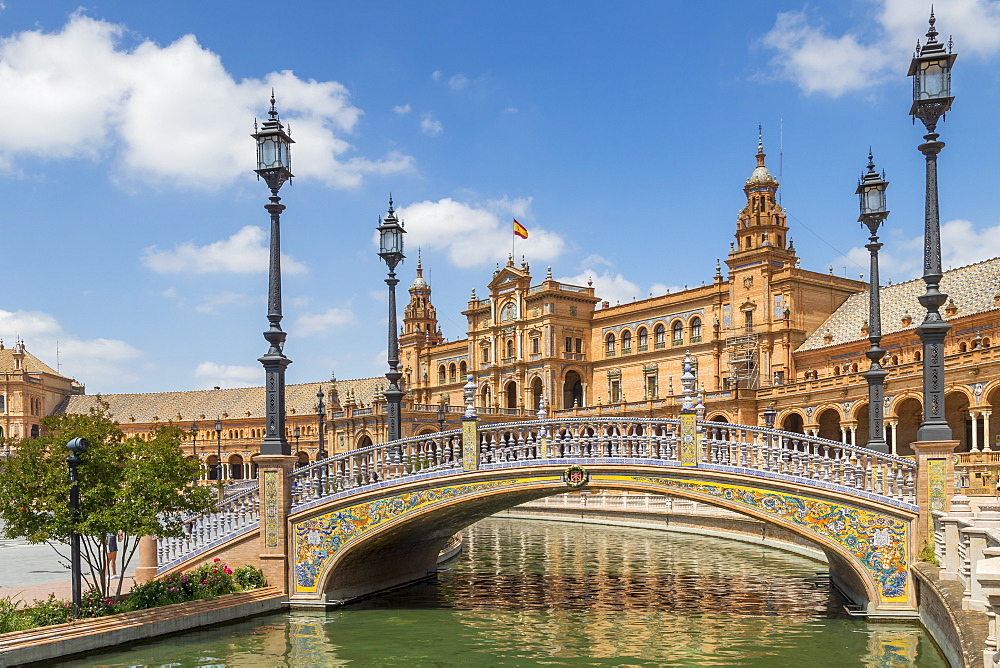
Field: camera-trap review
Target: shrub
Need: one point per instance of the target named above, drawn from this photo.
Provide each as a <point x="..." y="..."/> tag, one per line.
<point x="94" y="604"/>
<point x="11" y="618"/>
<point x="249" y="577"/>
<point x="174" y="588"/>
<point x="48" y="612"/>
<point x="213" y="579"/>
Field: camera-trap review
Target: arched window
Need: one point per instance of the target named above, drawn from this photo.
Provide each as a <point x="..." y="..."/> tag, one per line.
<point x="486" y="354"/>
<point x="510" y="347"/>
<point x="962" y="348"/>
<point x="916" y="356"/>
<point x="464" y="369"/>
<point x="609" y="344"/>
<point x="441" y="374"/>
<point x="643" y="336"/>
<point x="836" y="371"/>
<point x="626" y="341"/>
<point x="660" y="335"/>
<point x="451" y="372"/>
<point x="678" y="331"/>
<point x="696" y="330"/>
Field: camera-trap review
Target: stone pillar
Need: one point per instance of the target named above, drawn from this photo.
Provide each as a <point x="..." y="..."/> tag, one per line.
<point x="893" y="424"/>
<point x="986" y="430"/>
<point x="935" y="484"/>
<point x="975" y="432"/>
<point x="275" y="503"/>
<point x="148" y="562"/>
<point x="988" y="577"/>
<point x="959" y="515"/>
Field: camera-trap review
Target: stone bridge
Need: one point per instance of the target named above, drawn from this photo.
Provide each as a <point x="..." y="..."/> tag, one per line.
<point x="375" y="518"/>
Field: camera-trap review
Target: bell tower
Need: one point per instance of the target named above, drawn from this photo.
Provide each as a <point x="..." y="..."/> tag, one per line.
<point x="761" y="228"/>
<point x="420" y="324"/>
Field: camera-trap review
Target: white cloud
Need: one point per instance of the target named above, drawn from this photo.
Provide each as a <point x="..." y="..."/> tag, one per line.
<point x="321" y="323"/>
<point x="80" y="93"/>
<point x="212" y="303"/>
<point x="401" y="109"/>
<point x="430" y="125"/>
<point x="510" y="110"/>
<point x="245" y="252"/>
<point x="819" y="62"/>
<point x="93" y="361"/>
<point x="458" y="82"/>
<point x="608" y="286"/>
<point x="211" y="375"/>
<point x="436" y="75"/>
<point x="473" y="234"/>
<point x="961" y="245"/>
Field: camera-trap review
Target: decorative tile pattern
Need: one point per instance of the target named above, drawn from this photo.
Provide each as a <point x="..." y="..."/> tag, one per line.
<point x="689" y="439"/>
<point x="878" y="542"/>
<point x="470" y="445"/>
<point x="317" y="540"/>
<point x="937" y="473"/>
<point x="271" y="509"/>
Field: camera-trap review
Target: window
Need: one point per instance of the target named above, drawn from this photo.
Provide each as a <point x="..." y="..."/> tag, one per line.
<point x="696" y="330"/>
<point x="643" y="336"/>
<point x="569" y="344"/>
<point x="660" y="336"/>
<point x="510" y="347"/>
<point x="748" y="320"/>
<point x="3" y="404"/>
<point x="441" y="374"/>
<point x="627" y="341"/>
<point x="609" y="344"/>
<point x="678" y="331"/>
<point x="451" y="372"/>
<point x="535" y="346"/>
<point x="651" y="387"/>
<point x="579" y="346"/>
<point x="486" y="354"/>
<point x="615" y="391"/>
<point x="464" y="368"/>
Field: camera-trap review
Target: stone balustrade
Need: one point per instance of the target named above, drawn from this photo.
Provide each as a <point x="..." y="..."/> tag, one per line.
<point x="229" y="518"/>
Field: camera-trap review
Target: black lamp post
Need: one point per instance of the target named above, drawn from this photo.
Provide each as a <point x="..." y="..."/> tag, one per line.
<point x="871" y="194"/>
<point x="76" y="447"/>
<point x="218" y="455"/>
<point x="931" y="72"/>
<point x="441" y="414"/>
<point x="296" y="433"/>
<point x="321" y="413"/>
<point x="274" y="166"/>
<point x="390" y="232"/>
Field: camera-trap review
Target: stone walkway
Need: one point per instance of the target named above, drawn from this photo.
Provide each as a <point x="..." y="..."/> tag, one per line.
<point x="62" y="590"/>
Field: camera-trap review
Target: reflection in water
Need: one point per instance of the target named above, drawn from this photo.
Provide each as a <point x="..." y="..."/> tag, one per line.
<point x="557" y="594"/>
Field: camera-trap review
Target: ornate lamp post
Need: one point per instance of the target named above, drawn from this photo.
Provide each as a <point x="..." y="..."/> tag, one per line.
<point x="321" y="413"/>
<point x="76" y="447"/>
<point x="390" y="232"/>
<point x="296" y="433"/>
<point x="931" y="72"/>
<point x="871" y="192"/>
<point x="274" y="163"/>
<point x="218" y="456"/>
<point x="441" y="414"/>
<point x="770" y="414"/>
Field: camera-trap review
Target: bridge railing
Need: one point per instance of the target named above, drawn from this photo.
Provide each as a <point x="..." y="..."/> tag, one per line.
<point x="739" y="446"/>
<point x="236" y="512"/>
<point x="377" y="463"/>
<point x="756" y="449"/>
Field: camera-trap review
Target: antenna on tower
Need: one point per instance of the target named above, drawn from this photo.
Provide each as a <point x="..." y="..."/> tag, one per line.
<point x="58" y="366"/>
<point x="781" y="155"/>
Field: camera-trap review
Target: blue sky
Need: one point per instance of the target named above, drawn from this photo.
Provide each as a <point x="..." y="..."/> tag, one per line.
<point x="619" y="134"/>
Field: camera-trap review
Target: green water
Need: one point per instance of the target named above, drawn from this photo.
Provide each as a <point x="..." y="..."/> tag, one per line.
<point x="531" y="593"/>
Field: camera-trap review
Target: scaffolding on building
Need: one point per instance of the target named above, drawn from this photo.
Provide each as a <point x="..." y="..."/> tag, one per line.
<point x="743" y="355"/>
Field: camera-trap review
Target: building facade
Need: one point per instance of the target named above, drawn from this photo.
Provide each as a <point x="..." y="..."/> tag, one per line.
<point x="766" y="333"/>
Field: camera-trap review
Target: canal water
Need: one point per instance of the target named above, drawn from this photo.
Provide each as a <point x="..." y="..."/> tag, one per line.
<point x="540" y="593"/>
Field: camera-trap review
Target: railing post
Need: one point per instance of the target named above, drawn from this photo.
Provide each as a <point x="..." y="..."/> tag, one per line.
<point x="960" y="510"/>
<point x="935" y="484"/>
<point x="146" y="570"/>
<point x="988" y="575"/>
<point x="470" y="430"/>
<point x="275" y="503"/>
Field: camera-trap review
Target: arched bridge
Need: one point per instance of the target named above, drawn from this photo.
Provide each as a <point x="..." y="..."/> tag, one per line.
<point x="376" y="517"/>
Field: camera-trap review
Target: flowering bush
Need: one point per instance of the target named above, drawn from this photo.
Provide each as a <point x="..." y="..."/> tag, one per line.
<point x="50" y="611"/>
<point x="249" y="577"/>
<point x="211" y="579"/>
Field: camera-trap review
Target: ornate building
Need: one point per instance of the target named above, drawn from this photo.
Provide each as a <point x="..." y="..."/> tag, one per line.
<point x="767" y="334"/>
<point x="29" y="390"/>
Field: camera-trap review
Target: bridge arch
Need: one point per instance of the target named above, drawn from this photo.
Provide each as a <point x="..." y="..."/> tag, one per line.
<point x="380" y="540"/>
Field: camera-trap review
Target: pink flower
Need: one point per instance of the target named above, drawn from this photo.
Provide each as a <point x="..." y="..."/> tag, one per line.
<point x="216" y="559"/>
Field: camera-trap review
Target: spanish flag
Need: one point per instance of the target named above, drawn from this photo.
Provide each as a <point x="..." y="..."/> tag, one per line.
<point x="520" y="230"/>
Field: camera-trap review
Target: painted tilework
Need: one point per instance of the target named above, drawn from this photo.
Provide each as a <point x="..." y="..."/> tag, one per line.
<point x="470" y="446"/>
<point x="317" y="540"/>
<point x="271" y="509"/>
<point x="878" y="542"/>
<point x="689" y="439"/>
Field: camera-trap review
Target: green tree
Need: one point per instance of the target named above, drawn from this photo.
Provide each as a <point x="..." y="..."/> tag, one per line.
<point x="128" y="486"/>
